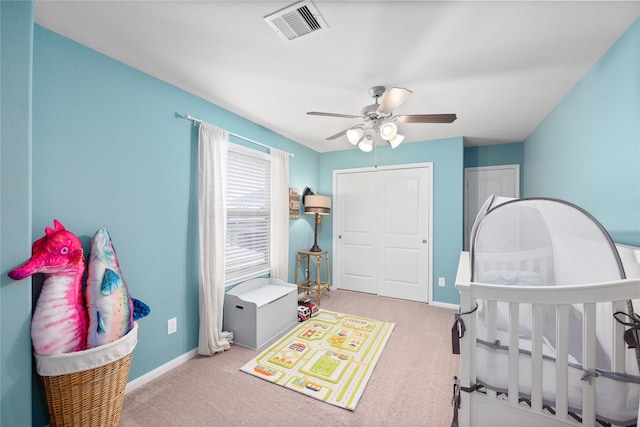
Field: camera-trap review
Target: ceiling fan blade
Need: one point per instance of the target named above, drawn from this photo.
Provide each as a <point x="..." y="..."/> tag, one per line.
<point x="395" y="97"/>
<point x="346" y="116"/>
<point x="425" y="118"/>
<point x="337" y="135"/>
<point x="344" y="132"/>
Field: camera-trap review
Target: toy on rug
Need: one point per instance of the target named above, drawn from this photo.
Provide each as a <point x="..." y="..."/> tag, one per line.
<point x="111" y="309"/>
<point x="59" y="323"/>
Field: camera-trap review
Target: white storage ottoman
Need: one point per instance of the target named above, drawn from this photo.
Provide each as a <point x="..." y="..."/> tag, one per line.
<point x="259" y="309"/>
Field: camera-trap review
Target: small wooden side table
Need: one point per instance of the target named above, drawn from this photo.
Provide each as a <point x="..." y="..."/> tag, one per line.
<point x="309" y="286"/>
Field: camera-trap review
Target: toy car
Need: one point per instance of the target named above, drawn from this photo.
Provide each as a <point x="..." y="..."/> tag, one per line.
<point x="303" y="313"/>
<point x="306" y="302"/>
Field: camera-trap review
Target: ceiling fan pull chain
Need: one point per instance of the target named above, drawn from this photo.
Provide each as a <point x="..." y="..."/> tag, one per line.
<point x="375" y="154"/>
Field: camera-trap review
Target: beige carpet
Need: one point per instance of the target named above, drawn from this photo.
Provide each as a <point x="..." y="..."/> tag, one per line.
<point x="212" y="391"/>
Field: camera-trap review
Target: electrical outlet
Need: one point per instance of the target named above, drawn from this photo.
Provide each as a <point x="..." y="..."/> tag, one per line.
<point x="172" y="326"/>
<point x="441" y="282"/>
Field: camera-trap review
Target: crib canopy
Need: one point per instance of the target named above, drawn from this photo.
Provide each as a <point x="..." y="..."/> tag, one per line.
<point x="571" y="244"/>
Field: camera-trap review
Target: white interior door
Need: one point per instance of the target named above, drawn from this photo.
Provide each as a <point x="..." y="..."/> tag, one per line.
<point x="482" y="182"/>
<point x="355" y="254"/>
<point x="403" y="234"/>
<point x="383" y="232"/>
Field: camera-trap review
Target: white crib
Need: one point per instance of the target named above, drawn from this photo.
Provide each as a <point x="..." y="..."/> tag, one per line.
<point x="523" y="362"/>
<point x="543" y="382"/>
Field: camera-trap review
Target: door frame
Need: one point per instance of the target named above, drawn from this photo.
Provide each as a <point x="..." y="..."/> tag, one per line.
<point x="467" y="222"/>
<point x="429" y="167"/>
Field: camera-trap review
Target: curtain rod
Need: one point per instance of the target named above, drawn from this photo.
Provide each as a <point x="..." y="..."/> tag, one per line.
<point x="187" y="116"/>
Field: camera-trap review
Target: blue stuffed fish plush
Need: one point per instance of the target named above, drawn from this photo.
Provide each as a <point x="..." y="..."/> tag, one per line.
<point x="111" y="309"/>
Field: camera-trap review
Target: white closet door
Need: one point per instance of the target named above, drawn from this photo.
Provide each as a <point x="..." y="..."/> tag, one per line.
<point x="403" y="233"/>
<point x="355" y="260"/>
<point x="382" y="228"/>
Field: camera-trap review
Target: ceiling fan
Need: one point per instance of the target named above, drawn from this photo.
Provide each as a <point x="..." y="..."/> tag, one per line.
<point x="378" y="118"/>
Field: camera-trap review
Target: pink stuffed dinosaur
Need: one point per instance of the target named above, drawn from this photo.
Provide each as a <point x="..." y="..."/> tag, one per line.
<point x="59" y="323"/>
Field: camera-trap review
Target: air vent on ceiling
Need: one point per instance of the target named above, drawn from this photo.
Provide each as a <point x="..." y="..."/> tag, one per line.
<point x="296" y="20"/>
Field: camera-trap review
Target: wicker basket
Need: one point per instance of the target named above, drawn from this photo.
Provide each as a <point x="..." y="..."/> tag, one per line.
<point x="90" y="397"/>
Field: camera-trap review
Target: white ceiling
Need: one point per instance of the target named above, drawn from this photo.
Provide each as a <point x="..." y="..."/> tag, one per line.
<point x="500" y="66"/>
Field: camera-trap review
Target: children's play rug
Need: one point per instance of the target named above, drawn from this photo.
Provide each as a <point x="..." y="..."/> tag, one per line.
<point x="330" y="357"/>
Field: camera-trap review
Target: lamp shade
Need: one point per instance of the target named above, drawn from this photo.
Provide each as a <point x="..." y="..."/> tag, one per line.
<point x="366" y="144"/>
<point x="354" y="135"/>
<point x="388" y="130"/>
<point x="396" y="140"/>
<point x="316" y="204"/>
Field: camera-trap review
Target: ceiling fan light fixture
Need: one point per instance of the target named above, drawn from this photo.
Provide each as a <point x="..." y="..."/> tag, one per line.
<point x="396" y="140"/>
<point x="378" y="119"/>
<point x="366" y="144"/>
<point x="355" y="135"/>
<point x="388" y="130"/>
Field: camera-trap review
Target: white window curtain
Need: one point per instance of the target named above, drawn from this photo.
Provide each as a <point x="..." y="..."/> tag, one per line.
<point x="213" y="144"/>
<point x="279" y="241"/>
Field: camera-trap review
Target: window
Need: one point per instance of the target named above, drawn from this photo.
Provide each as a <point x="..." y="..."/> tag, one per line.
<point x="248" y="216"/>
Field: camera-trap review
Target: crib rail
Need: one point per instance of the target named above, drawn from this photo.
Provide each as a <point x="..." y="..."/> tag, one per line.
<point x="505" y="407"/>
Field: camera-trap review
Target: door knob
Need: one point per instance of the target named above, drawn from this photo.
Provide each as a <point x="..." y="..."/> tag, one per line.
<point x="424" y="240"/>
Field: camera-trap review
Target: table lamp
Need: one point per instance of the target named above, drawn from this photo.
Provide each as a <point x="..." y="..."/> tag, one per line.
<point x="319" y="205"/>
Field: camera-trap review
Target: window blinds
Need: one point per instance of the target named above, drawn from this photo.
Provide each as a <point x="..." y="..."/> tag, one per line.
<point x="248" y="216"/>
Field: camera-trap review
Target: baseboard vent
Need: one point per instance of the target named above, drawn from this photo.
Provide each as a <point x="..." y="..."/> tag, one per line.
<point x="297" y="20"/>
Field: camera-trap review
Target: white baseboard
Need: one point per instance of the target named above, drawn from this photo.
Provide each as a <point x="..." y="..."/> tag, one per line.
<point x="152" y="375"/>
<point x="445" y="305"/>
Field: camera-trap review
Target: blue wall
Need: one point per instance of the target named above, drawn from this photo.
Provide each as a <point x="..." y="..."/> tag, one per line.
<point x="16" y="52"/>
<point x="494" y="155"/>
<point x="109" y="152"/>
<point x="587" y="150"/>
<point x="447" y="158"/>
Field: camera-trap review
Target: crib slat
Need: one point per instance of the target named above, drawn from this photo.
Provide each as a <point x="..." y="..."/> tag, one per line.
<point x="536" y="358"/>
<point x="471" y="342"/>
<point x="492" y="326"/>
<point x="618" y="346"/>
<point x="492" y="320"/>
<point x="467" y="354"/>
<point x="514" y="345"/>
<point x="562" y="348"/>
<point x="589" y="363"/>
<point x="618" y="362"/>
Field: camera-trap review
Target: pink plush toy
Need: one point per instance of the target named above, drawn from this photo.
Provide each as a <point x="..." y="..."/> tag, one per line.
<point x="59" y="323"/>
